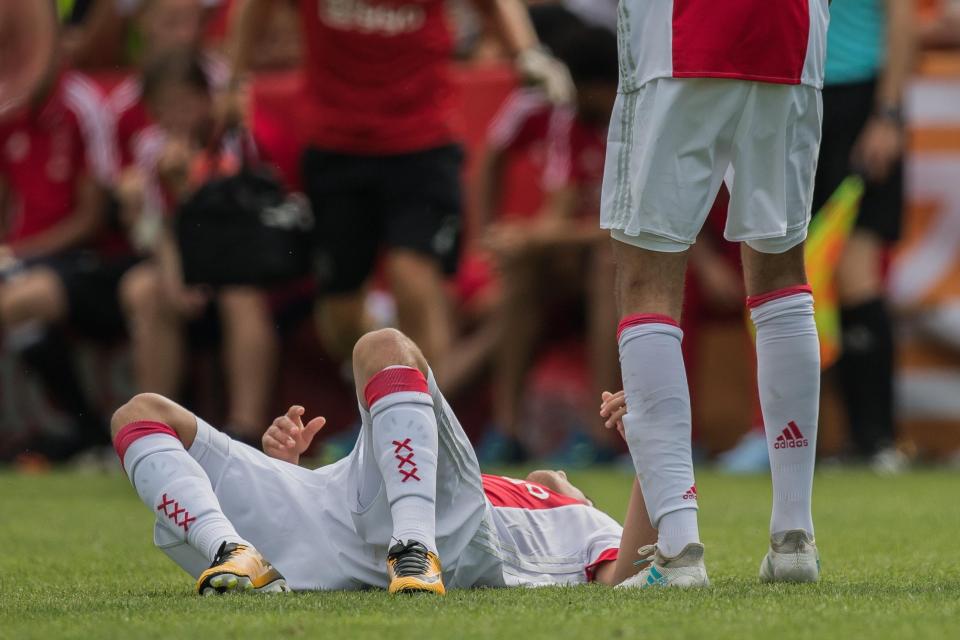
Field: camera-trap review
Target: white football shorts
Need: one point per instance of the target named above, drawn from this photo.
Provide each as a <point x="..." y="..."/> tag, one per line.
<point x="672" y="142"/>
<point x="329" y="528"/>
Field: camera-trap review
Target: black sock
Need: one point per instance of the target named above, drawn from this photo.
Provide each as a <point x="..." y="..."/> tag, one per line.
<point x="866" y="374"/>
<point x="51" y="359"/>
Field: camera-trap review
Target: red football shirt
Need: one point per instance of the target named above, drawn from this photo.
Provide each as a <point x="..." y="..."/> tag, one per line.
<point x="377" y="75"/>
<point x="46" y="150"/>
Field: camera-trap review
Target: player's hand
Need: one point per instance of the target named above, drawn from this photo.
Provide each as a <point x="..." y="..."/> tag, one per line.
<point x="231" y="107"/>
<point x="879" y="147"/>
<point x="542" y="69"/>
<point x="173" y="165"/>
<point x="613" y="407"/>
<point x="287" y="438"/>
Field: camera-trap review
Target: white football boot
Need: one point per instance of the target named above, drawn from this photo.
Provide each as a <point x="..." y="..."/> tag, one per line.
<point x="685" y="570"/>
<point x="793" y="557"/>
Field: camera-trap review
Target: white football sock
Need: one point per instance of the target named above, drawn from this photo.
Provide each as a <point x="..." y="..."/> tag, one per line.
<point x="405" y="441"/>
<point x="658" y="425"/>
<point x="788" y="374"/>
<point x="174" y="486"/>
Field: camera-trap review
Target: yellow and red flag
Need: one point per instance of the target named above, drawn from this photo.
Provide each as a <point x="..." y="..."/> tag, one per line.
<point x="826" y="238"/>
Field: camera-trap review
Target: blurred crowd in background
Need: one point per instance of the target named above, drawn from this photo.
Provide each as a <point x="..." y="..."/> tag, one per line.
<point x="104" y="292"/>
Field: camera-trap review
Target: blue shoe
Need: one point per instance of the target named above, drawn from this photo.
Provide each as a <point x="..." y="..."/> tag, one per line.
<point x="496" y="449"/>
<point x="748" y="457"/>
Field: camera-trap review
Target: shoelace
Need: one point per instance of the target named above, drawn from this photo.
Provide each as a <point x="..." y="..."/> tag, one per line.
<point x="410" y="561"/>
<point x="647" y="554"/>
<point x="225" y="552"/>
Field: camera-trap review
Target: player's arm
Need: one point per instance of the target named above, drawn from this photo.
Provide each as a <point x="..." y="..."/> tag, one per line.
<point x="881" y="143"/>
<point x="75" y="229"/>
<point x="637" y="532"/>
<point x="512" y="22"/>
<point x="249" y="23"/>
<point x="493" y="165"/>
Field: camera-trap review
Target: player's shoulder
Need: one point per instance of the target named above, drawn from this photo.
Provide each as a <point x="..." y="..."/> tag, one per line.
<point x="81" y="94"/>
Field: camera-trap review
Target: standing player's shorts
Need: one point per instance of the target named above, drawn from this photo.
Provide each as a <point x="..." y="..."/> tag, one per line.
<point x="367" y="203"/>
<point x="846" y="110"/>
<point x="329" y="528"/>
<point x="673" y="140"/>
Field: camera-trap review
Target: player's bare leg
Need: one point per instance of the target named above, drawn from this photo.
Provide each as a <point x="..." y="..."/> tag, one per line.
<point x="602" y="321"/>
<point x="152" y="436"/>
<point x="156" y="331"/>
<point x="390" y="372"/>
<point x="341" y="320"/>
<point x="520" y="323"/>
<point x="658" y="421"/>
<point x="423" y="310"/>
<point x="250" y="356"/>
<point x="867" y="362"/>
<point x="32" y="305"/>
<point x="788" y="375"/>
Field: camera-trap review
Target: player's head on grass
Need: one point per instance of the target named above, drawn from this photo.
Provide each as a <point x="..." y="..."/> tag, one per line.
<point x="591" y="55"/>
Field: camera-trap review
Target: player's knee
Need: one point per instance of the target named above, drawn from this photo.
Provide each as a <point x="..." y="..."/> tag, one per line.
<point x="37" y="297"/>
<point x="377" y="350"/>
<point x="154" y="408"/>
<point x="139" y="288"/>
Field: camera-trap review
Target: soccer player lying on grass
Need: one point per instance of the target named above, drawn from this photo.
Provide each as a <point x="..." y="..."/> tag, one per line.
<point x="408" y="496"/>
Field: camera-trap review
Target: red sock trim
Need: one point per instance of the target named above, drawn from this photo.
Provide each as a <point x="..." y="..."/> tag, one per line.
<point x="136" y="430"/>
<point x="644" y="318"/>
<point x="394" y="380"/>
<point x="755" y="301"/>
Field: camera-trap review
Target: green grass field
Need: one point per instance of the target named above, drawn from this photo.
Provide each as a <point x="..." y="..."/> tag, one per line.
<point x="77" y="561"/>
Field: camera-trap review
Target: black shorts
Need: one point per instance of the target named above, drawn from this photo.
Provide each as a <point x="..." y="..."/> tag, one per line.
<point x="91" y="283"/>
<point x="846" y="110"/>
<point x="364" y="204"/>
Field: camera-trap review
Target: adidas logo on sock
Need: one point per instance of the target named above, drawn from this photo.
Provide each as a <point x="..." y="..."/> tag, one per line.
<point x="791" y="438"/>
<point x="691" y="493"/>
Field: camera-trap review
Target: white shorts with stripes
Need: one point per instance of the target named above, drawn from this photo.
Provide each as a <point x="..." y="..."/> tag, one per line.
<point x="672" y="141"/>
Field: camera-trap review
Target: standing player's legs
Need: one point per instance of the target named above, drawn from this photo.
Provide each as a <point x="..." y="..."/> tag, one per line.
<point x="658" y="424"/>
<point x="392" y="371"/>
<point x="775" y="157"/>
<point x="151" y="435"/>
<point x="421" y="210"/>
<point x="788" y="376"/>
<point x="670" y="143"/>
<point x="250" y="353"/>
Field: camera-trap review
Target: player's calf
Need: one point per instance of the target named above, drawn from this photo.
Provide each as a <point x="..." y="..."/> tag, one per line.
<point x="149" y="435"/>
<point x="405" y="441"/>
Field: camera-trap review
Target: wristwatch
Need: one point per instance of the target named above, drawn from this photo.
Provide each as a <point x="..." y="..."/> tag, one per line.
<point x="890" y="112"/>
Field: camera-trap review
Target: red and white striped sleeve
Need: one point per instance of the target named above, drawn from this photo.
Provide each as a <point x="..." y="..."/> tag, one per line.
<point x="97" y="126"/>
<point x="508" y="126"/>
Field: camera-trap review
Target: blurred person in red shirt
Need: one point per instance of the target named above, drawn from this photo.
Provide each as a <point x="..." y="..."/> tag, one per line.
<point x="168" y="165"/>
<point x="379" y="112"/>
<point x="557" y="254"/>
<point x="55" y="163"/>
